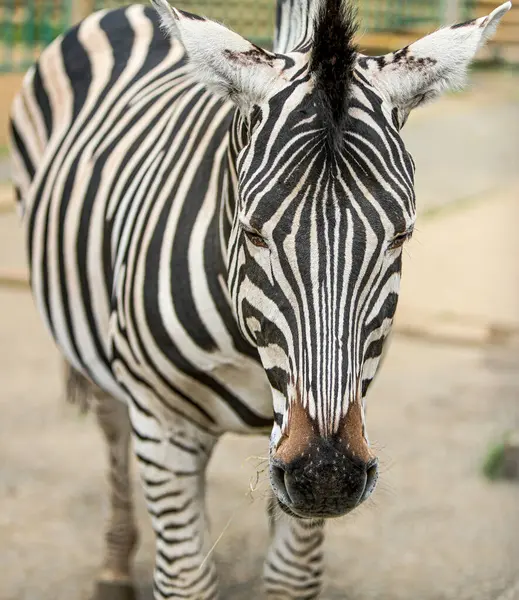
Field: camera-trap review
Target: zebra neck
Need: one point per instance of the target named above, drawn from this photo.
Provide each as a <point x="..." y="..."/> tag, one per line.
<point x="293" y="25"/>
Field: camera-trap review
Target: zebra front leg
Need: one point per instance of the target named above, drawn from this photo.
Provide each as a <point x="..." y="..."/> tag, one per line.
<point x="294" y="565"/>
<point x="172" y="465"/>
<point x="121" y="535"/>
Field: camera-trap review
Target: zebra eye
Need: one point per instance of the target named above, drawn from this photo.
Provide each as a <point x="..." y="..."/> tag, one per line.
<point x="398" y="240"/>
<point x="256" y="239"/>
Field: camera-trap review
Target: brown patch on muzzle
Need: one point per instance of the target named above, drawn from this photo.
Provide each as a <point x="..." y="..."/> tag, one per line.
<point x="298" y="436"/>
<point x="302" y="435"/>
<point x="351" y="433"/>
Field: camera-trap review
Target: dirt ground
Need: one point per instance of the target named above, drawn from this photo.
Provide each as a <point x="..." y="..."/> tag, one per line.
<point x="435" y="528"/>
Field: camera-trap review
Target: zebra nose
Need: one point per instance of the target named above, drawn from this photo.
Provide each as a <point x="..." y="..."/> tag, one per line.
<point x="321" y="488"/>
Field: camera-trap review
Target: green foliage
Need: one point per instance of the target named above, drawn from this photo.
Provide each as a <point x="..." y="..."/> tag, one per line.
<point x="502" y="459"/>
<point x="493" y="463"/>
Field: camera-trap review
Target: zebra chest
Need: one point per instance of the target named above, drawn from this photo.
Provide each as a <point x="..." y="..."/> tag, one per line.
<point x="174" y="332"/>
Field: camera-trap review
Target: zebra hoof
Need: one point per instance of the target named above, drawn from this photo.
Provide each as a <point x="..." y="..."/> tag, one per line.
<point x="114" y="590"/>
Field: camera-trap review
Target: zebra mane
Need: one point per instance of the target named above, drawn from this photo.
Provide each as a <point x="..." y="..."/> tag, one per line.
<point x="332" y="61"/>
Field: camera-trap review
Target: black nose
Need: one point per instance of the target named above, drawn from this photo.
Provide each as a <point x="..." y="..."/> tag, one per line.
<point x="324" y="483"/>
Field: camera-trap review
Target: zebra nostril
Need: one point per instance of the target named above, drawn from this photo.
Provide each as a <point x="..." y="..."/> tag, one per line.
<point x="277" y="476"/>
<point x="371" y="479"/>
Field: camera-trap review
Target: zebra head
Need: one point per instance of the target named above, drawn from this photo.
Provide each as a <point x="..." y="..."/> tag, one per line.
<point x="323" y="203"/>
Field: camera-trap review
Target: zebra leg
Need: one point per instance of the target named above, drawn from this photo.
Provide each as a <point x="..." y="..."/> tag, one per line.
<point x="294" y="565"/>
<point x="172" y="462"/>
<point x="121" y="535"/>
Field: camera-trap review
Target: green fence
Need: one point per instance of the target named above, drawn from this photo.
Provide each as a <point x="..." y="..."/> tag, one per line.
<point x="255" y="18"/>
<point x="26" y="26"/>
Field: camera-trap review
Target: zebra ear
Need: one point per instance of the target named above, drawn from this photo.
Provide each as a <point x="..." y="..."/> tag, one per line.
<point x="222" y="60"/>
<point x="438" y="62"/>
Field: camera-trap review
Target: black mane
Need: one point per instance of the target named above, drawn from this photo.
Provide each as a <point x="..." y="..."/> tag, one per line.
<point x="332" y="61"/>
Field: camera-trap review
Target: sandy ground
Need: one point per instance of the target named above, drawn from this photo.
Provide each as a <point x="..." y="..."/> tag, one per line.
<point x="435" y="528"/>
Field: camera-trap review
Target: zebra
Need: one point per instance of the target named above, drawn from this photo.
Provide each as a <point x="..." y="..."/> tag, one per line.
<point x="214" y="234"/>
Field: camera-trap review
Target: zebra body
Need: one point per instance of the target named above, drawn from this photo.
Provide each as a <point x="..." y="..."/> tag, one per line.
<point x="120" y="208"/>
<point x="215" y="239"/>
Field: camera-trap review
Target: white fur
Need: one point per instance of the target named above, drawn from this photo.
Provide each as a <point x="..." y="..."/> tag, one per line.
<point x="447" y="54"/>
<point x="208" y="45"/>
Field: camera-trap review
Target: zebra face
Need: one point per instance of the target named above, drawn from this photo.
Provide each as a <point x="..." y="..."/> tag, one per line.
<point x="314" y="272"/>
<point x="321" y="204"/>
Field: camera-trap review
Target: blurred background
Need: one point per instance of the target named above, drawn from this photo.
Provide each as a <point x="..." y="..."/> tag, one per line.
<point x="443" y="414"/>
